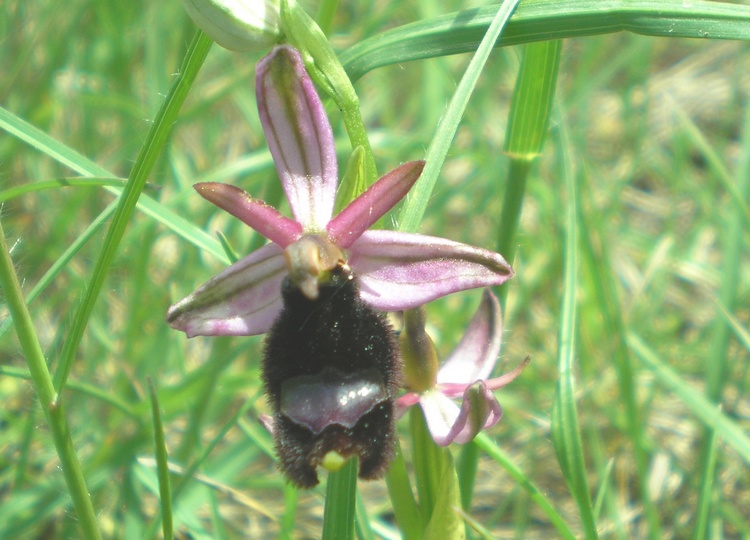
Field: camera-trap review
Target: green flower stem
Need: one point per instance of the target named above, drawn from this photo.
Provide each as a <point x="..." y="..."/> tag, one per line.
<point x="524" y="138"/>
<point x="48" y="399"/>
<point x="152" y="148"/>
<point x="326" y="70"/>
<point x="341" y="495"/>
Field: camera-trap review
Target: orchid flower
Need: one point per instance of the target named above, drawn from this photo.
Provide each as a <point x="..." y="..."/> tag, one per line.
<point x="465" y="374"/>
<point x="396" y="270"/>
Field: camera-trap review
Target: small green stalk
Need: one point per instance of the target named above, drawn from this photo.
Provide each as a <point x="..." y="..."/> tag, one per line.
<point x="48" y="398"/>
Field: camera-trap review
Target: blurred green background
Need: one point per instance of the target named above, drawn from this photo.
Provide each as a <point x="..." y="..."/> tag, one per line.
<point x="652" y="125"/>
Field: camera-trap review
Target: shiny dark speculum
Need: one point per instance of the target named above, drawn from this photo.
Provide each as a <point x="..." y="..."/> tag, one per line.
<point x="331" y="373"/>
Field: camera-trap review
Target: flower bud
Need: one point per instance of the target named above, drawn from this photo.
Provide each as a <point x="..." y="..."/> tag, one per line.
<point x="418" y="352"/>
<point x="238" y="25"/>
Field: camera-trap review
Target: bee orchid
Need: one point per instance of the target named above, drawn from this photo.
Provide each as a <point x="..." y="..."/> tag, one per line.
<point x="465" y="374"/>
<point x="395" y="270"/>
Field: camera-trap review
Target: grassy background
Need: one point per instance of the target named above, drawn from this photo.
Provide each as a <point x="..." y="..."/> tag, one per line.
<point x="646" y="120"/>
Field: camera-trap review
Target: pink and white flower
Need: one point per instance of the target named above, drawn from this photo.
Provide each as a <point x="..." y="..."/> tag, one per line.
<point x="396" y="270"/>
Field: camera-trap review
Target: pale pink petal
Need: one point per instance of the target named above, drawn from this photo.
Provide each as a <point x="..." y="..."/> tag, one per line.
<point x="400" y="271"/>
<point x="298" y="135"/>
<point x="456" y="389"/>
<point x="476" y="354"/>
<point x="448" y="423"/>
<point x="366" y="209"/>
<point x="404" y="402"/>
<point x="263" y="218"/>
<point x="243" y="300"/>
<point x="440" y="413"/>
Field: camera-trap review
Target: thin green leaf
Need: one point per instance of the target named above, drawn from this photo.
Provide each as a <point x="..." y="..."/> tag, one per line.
<point x="48" y="398"/>
<point x="23" y="189"/>
<point x="502" y="459"/>
<point x="446" y="523"/>
<point x="708" y="413"/>
<point x="414" y="207"/>
<point x="152" y="148"/>
<point x="405" y="508"/>
<point x="527" y="127"/>
<point x="718" y="361"/>
<point x="428" y="459"/>
<point x="545" y="20"/>
<point x="162" y="464"/>
<point x="566" y="431"/>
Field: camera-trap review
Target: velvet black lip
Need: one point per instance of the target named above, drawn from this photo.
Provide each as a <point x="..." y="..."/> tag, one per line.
<point x="331" y="373"/>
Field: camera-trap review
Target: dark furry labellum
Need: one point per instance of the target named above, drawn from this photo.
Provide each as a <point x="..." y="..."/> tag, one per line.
<point x="331" y="374"/>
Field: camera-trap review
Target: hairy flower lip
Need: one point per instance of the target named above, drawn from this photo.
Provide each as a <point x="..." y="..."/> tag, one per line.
<point x="396" y="270"/>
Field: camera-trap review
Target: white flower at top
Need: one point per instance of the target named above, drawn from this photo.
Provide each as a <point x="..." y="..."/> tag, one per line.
<point x="237" y="25"/>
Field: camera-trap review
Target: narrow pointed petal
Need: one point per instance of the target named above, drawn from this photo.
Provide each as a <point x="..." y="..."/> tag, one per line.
<point x="452" y="389"/>
<point x="448" y="423"/>
<point x="404" y="402"/>
<point x="400" y="271"/>
<point x="476" y="354"/>
<point x="299" y="136"/>
<point x="369" y="207"/>
<point x="243" y="300"/>
<point x="263" y="218"/>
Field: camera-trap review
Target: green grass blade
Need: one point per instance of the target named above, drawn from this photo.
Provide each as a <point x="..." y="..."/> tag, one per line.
<point x="717" y="362"/>
<point x="162" y="464"/>
<point x="405" y="508"/>
<point x="527" y="127"/>
<point x="48" y="398"/>
<point x="77" y="181"/>
<point x="63" y="260"/>
<point x="152" y="148"/>
<point x="602" y="274"/>
<point x="706" y="411"/>
<point x="414" y="207"/>
<point x="536" y="495"/>
<point x="566" y="431"/>
<point x="547" y="20"/>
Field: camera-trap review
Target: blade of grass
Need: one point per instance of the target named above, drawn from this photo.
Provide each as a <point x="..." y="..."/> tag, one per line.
<point x="162" y="464"/>
<point x="404" y="505"/>
<point x="48" y="398"/>
<point x="63" y="260"/>
<point x="415" y="205"/>
<point x="717" y="361"/>
<point x="527" y="127"/>
<point x="706" y="411"/>
<point x="92" y="181"/>
<point x="152" y="148"/>
<point x="601" y="271"/>
<point x="82" y="165"/>
<point x="544" y="20"/>
<point x="501" y="458"/>
<point x="190" y="471"/>
<point x="362" y="521"/>
<point x="566" y="430"/>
